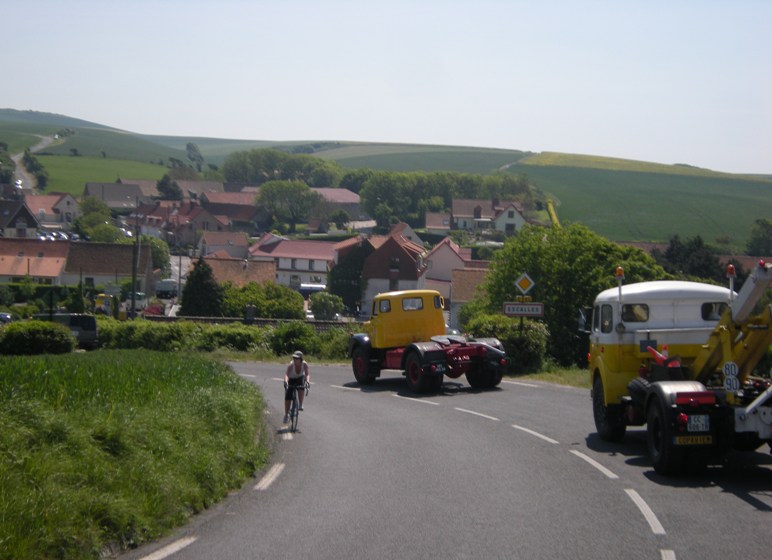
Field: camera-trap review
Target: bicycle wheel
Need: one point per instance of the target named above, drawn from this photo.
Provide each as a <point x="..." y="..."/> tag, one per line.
<point x="295" y="411"/>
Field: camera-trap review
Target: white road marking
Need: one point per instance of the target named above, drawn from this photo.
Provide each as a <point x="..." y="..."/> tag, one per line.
<point x="286" y="436"/>
<point x="272" y="474"/>
<point x="417" y="400"/>
<point x="594" y="463"/>
<point x="668" y="554"/>
<point x="170" y="549"/>
<point x="477" y="414"/>
<point x="346" y="388"/>
<point x="247" y="375"/>
<point x="537" y="434"/>
<point x="648" y="514"/>
<point x="519" y="383"/>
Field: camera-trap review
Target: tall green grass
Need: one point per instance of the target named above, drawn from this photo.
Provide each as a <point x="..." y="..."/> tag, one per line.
<point x="112" y="448"/>
<point x="70" y="174"/>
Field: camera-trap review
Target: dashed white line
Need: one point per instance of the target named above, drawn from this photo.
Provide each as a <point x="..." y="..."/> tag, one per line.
<point x="417" y="400"/>
<point x="595" y="464"/>
<point x="170" y="549"/>
<point x="537" y="434"/>
<point x="519" y="383"/>
<point x="667" y="554"/>
<point x="247" y="375"/>
<point x="648" y="514"/>
<point x="346" y="388"/>
<point x="477" y="414"/>
<point x="272" y="474"/>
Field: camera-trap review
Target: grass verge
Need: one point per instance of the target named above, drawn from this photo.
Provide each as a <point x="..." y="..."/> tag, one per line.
<point x="113" y="448"/>
<point x="573" y="377"/>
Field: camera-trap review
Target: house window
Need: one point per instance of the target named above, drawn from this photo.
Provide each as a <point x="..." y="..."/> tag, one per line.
<point x="294" y="264"/>
<point x="310" y="264"/>
<point x="511" y="214"/>
<point x="393" y="284"/>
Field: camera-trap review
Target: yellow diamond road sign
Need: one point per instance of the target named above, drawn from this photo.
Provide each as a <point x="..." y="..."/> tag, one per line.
<point x="524" y="283"/>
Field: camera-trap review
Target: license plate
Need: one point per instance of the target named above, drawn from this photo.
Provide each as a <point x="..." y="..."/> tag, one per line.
<point x="693" y="440"/>
<point x="698" y="423"/>
<point x="439" y="368"/>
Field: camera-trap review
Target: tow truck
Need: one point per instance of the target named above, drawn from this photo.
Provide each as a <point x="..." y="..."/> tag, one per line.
<point x="680" y="358"/>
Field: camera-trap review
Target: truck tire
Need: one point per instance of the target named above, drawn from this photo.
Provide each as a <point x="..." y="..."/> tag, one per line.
<point x="608" y="419"/>
<point x="417" y="380"/>
<point x="665" y="457"/>
<point x="481" y="379"/>
<point x="360" y="363"/>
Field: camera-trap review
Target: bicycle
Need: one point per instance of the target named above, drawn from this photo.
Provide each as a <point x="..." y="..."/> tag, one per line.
<point x="295" y="405"/>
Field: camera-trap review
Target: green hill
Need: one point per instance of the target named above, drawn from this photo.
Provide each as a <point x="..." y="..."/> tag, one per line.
<point x="624" y="200"/>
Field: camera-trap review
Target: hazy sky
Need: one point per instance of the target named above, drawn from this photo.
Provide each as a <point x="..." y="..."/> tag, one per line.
<point x="666" y="81"/>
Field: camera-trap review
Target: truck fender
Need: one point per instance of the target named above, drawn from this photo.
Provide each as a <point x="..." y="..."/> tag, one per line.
<point x="421" y="348"/>
<point x="666" y="391"/>
<point x="490" y="341"/>
<point x="356" y="340"/>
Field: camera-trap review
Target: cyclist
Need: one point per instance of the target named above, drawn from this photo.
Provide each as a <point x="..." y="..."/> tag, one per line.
<point x="297" y="375"/>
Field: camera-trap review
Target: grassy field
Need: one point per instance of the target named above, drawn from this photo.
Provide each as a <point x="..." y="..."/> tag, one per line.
<point x="113" y="448"/>
<point x="644" y="206"/>
<point x="70" y="174"/>
<point x="623" y="200"/>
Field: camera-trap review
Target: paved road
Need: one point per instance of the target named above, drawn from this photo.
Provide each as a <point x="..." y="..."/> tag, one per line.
<point x="512" y="473"/>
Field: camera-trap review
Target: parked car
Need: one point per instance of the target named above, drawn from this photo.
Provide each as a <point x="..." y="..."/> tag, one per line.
<point x="82" y="326"/>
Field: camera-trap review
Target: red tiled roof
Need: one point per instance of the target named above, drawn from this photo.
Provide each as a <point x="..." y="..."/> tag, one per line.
<point x="338" y="196"/>
<point x="33" y="257"/>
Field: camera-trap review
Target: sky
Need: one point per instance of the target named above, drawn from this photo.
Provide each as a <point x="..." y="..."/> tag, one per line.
<point x="666" y="81"/>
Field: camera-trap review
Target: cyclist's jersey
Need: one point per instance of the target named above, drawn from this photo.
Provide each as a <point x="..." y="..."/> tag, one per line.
<point x="292" y="374"/>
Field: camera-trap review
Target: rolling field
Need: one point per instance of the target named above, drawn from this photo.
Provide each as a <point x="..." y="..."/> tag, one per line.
<point x="70" y="174"/>
<point x="641" y="206"/>
<point x="623" y="200"/>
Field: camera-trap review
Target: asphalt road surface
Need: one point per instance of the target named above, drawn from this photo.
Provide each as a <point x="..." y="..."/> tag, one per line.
<point x="517" y="472"/>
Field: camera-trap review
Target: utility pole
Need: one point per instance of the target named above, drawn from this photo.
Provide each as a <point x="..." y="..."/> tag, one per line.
<point x="135" y="262"/>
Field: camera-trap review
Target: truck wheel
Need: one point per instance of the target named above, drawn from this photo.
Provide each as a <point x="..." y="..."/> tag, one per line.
<point x="608" y="419"/>
<point x="659" y="436"/>
<point x="360" y="363"/>
<point x="416" y="380"/>
<point x="483" y="379"/>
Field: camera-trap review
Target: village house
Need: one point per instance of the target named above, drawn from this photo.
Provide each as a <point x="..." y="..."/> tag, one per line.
<point x="446" y="257"/>
<point x="240" y="208"/>
<point x="342" y="199"/>
<point x="119" y="197"/>
<point x="16" y="220"/>
<point x="234" y="244"/>
<point x="42" y="262"/>
<point x="395" y="264"/>
<point x="481" y="215"/>
<point x="67" y="263"/>
<point x="465" y="286"/>
<point x="297" y="261"/>
<point x="240" y="272"/>
<point x="53" y="210"/>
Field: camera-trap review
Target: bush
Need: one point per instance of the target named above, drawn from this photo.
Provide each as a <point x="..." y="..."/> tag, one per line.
<point x="526" y="348"/>
<point x="238" y="337"/>
<point x="333" y="344"/>
<point x="36" y="337"/>
<point x="294" y="335"/>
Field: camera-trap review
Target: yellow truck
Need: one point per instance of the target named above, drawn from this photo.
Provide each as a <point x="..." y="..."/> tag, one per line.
<point x="407" y="332"/>
<point x="679" y="357"/>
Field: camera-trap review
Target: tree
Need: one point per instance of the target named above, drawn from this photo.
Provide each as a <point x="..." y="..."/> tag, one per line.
<point x="345" y="278"/>
<point x="194" y="155"/>
<point x="168" y="189"/>
<point x="760" y="241"/>
<point x="288" y="201"/>
<point x="690" y="258"/>
<point x="202" y="296"/>
<point x="105" y="233"/>
<point x="325" y="305"/>
<point x="569" y="266"/>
